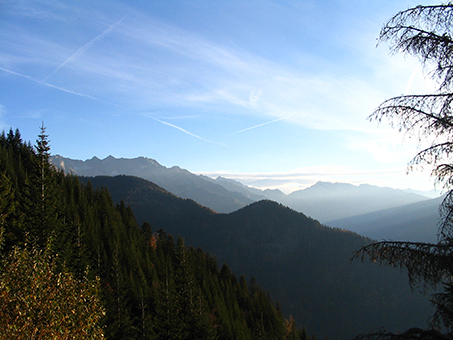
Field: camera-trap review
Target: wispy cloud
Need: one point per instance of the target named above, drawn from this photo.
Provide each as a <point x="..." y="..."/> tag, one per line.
<point x="157" y="62"/>
<point x="263" y="124"/>
<point x="254" y="96"/>
<point x="304" y="173"/>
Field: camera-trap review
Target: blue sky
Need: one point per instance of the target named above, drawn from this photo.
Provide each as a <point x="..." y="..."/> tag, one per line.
<point x="271" y="93"/>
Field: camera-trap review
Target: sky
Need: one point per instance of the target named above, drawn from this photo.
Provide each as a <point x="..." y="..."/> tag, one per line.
<point x="274" y="94"/>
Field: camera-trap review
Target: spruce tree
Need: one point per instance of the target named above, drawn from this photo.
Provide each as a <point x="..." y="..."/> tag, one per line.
<point x="41" y="197"/>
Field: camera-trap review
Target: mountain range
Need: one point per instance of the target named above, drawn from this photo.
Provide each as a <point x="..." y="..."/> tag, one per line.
<point x="323" y="201"/>
<point x="375" y="212"/>
<point x="180" y="182"/>
<point x="274" y="237"/>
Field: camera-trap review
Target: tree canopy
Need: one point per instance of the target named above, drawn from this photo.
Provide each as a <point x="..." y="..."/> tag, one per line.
<point x="426" y="33"/>
<point x="140" y="283"/>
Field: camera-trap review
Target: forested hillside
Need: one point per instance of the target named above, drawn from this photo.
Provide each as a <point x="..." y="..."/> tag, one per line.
<point x="150" y="285"/>
<point x="303" y="264"/>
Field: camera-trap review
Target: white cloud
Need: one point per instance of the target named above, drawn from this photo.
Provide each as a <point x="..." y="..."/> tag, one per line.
<point x="387" y="145"/>
<point x="145" y="62"/>
<point x="253" y="97"/>
<point x="50" y="85"/>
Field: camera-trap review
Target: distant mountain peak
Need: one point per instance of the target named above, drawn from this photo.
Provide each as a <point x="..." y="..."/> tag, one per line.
<point x="221" y="178"/>
<point x="176" y="180"/>
<point x="274" y="191"/>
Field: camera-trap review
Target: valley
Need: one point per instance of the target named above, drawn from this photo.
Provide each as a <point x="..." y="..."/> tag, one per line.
<point x="304" y="264"/>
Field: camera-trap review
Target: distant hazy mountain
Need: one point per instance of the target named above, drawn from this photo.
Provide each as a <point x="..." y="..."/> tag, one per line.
<point x="417" y="222"/>
<point x="323" y="201"/>
<point x="332" y="201"/>
<point x="252" y="193"/>
<point x="180" y="182"/>
<point x="304" y="265"/>
<point x="434" y="193"/>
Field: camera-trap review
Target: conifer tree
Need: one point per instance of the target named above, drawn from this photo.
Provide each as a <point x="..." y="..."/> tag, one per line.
<point x="148" y="286"/>
<point x="304" y="335"/>
<point x="7" y="204"/>
<point x="40" y="196"/>
<point x="166" y="325"/>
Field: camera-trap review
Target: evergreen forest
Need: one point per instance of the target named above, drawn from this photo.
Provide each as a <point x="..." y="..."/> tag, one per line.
<point x="74" y="265"/>
<point x="304" y="265"/>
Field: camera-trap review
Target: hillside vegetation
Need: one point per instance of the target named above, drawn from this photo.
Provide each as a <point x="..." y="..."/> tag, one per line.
<point x="149" y="284"/>
<point x="303" y="264"/>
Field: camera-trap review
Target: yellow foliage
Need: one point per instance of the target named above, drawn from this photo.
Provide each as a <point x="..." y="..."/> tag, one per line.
<point x="38" y="302"/>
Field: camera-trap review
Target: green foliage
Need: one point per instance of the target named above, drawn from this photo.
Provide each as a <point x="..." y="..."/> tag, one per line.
<point x="148" y="286"/>
<point x="304" y="264"/>
<point x="7" y="204"/>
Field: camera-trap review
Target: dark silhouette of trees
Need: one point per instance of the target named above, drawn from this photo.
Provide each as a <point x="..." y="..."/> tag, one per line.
<point x="426" y="33"/>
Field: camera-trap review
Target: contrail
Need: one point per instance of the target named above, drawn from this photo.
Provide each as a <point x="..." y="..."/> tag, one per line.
<point x="181" y="129"/>
<point x="53" y="86"/>
<point x="85" y="47"/>
<point x="259" y="125"/>
<point x="75" y="93"/>
<point x="21" y="75"/>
